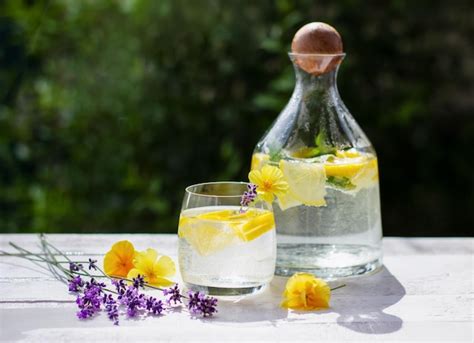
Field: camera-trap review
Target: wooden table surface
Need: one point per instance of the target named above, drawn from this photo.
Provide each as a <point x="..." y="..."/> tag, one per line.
<point x="424" y="293"/>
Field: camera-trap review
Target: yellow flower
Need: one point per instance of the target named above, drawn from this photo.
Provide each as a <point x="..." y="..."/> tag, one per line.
<point x="119" y="260"/>
<point x="270" y="182"/>
<point x="305" y="292"/>
<point x="153" y="267"/>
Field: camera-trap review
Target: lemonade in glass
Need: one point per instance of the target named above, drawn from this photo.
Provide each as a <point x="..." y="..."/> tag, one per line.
<point x="225" y="249"/>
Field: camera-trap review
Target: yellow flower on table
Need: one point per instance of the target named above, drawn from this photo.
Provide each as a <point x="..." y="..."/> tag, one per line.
<point x="305" y="292"/>
<point x="270" y="182"/>
<point x="153" y="267"/>
<point x="119" y="260"/>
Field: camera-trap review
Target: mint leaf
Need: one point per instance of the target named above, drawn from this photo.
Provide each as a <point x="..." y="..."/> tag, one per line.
<point x="341" y="182"/>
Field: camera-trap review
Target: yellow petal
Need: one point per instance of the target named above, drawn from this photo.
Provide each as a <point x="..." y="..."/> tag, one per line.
<point x="153" y="267"/>
<point x="150" y="254"/>
<point x="160" y="281"/>
<point x="255" y="177"/>
<point x="272" y="173"/>
<point x="144" y="260"/>
<point x="119" y="259"/>
<point x="123" y="246"/>
<point x="303" y="291"/>
<point x="266" y="196"/>
<point x="164" y="266"/>
<point x="150" y="279"/>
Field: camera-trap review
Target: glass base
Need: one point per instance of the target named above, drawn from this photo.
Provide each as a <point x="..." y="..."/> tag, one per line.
<point x="328" y="261"/>
<point x="224" y="292"/>
<point x="334" y="273"/>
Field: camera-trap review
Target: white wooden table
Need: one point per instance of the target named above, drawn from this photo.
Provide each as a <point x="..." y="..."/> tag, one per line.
<point x="424" y="293"/>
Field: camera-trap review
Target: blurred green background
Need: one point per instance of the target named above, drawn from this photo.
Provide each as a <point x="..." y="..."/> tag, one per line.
<point x="110" y="108"/>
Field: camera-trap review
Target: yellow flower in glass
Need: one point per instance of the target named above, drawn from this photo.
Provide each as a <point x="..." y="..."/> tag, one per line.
<point x="153" y="267"/>
<point x="305" y="292"/>
<point x="270" y="182"/>
<point x="119" y="259"/>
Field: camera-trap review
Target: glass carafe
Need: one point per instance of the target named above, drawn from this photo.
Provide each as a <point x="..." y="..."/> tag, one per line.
<point x="329" y="224"/>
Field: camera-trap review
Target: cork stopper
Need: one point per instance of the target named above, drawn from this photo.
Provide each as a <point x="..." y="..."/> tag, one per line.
<point x="315" y="39"/>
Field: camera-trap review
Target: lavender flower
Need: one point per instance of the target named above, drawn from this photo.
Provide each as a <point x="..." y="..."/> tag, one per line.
<point x="135" y="304"/>
<point x="208" y="306"/>
<point x="120" y="285"/>
<point x="111" y="308"/>
<point x="75" y="267"/>
<point x="154" y="306"/>
<point x="75" y="284"/>
<point x="126" y="295"/>
<point x="174" y="295"/>
<point x="133" y="300"/>
<point x="249" y="196"/>
<point x="90" y="302"/>
<point x="199" y="304"/>
<point x="85" y="313"/>
<point x="92" y="264"/>
<point x="112" y="312"/>
<point x="139" y="281"/>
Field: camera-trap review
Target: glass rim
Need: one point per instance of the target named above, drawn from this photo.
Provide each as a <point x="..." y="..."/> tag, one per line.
<point x="194" y="193"/>
<point x="304" y="55"/>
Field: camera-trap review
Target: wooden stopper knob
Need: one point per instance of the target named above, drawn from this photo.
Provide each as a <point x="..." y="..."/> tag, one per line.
<point x="318" y="39"/>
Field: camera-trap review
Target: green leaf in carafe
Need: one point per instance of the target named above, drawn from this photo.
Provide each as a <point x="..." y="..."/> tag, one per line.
<point x="340" y="182"/>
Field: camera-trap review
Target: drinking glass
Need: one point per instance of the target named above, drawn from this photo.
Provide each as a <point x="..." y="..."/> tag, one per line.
<point x="224" y="249"/>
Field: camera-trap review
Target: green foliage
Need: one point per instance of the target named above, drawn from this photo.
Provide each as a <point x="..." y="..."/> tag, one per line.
<point x="110" y="108"/>
<point x="341" y="182"/>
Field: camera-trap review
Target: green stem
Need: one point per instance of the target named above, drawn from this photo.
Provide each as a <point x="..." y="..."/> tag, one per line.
<point x="340" y="286"/>
<point x="54" y="263"/>
<point x="41" y="259"/>
<point x="55" y="267"/>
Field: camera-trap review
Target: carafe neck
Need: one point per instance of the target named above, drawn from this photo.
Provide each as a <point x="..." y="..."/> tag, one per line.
<point x="316" y="74"/>
<point x="311" y="85"/>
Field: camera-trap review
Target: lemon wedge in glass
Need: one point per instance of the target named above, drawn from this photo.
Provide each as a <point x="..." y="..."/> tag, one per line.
<point x="306" y="182"/>
<point x="367" y="176"/>
<point x="359" y="170"/>
<point x="203" y="236"/>
<point x="256" y="224"/>
<point x="213" y="231"/>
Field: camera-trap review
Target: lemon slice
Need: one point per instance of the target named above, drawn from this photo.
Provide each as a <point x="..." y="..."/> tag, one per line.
<point x="204" y="237"/>
<point x="228" y="215"/>
<point x="255" y="227"/>
<point x="259" y="160"/>
<point x="358" y="169"/>
<point x="216" y="215"/>
<point x="344" y="169"/>
<point x="287" y="201"/>
<point x="306" y="182"/>
<point x="351" y="153"/>
<point x="368" y="175"/>
<point x="211" y="232"/>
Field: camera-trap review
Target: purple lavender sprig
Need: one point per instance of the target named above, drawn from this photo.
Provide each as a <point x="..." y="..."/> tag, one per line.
<point x="75" y="284"/>
<point x="75" y="267"/>
<point x="89" y="302"/>
<point x="123" y="298"/>
<point x="139" y="282"/>
<point x="200" y="304"/>
<point x="135" y="303"/>
<point x="174" y="295"/>
<point x="248" y="197"/>
<point x="111" y="307"/>
<point x="92" y="264"/>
